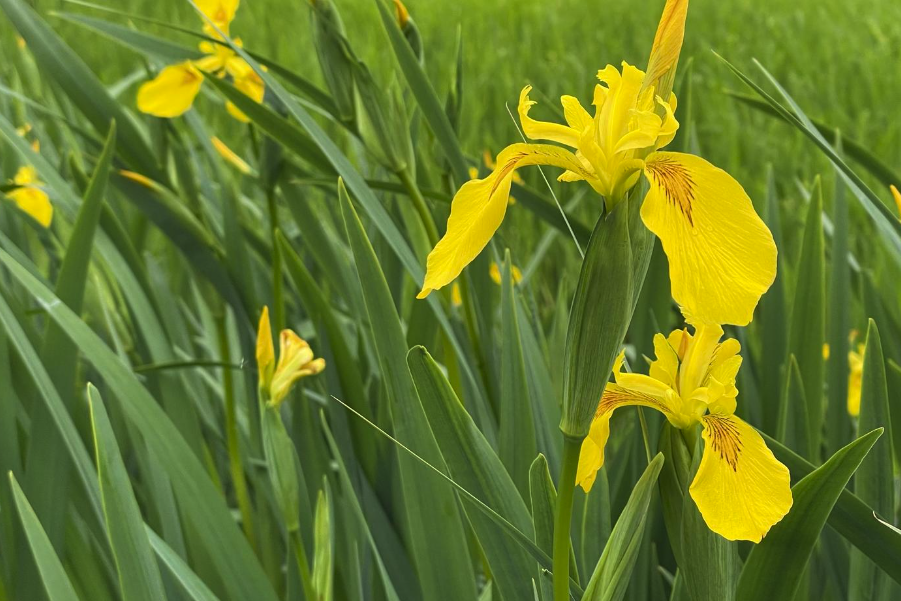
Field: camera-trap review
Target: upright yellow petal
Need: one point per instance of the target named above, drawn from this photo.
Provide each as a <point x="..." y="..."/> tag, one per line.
<point x="667" y="45"/>
<point x="172" y="92"/>
<point x="722" y="257"/>
<point x="479" y="207"/>
<point x="544" y="130"/>
<point x="265" y="353"/>
<point x="220" y="12"/>
<point x="33" y="201"/>
<point x="740" y="489"/>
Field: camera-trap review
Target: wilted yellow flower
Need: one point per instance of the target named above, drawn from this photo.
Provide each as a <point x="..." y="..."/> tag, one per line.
<point x="138" y="178"/>
<point x="722" y="257"/>
<point x="229" y="155"/>
<point x="855" y="379"/>
<point x="295" y="361"/>
<point x="495" y="272"/>
<point x="30" y="197"/>
<point x="173" y="90"/>
<point x="740" y="488"/>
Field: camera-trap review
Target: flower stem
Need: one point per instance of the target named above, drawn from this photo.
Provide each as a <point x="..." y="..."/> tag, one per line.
<point x="278" y="301"/>
<point x="644" y="433"/>
<point x="303" y="568"/>
<point x="419" y="203"/>
<point x="231" y="434"/>
<point x="565" y="488"/>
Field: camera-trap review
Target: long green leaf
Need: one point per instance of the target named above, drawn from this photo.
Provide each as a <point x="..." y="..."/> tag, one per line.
<point x="81" y="85"/>
<point x="474" y="465"/>
<point x="774" y="568"/>
<point x="873" y="482"/>
<point x="614" y="570"/>
<point x="517" y="424"/>
<point x="139" y="576"/>
<point x="47" y="467"/>
<point x="431" y="510"/>
<point x="53" y="576"/>
<point x="190" y="583"/>
<point x="808" y="324"/>
<point x="201" y="502"/>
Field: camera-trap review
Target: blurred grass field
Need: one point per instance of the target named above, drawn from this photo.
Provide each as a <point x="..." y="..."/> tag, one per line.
<point x="182" y="266"/>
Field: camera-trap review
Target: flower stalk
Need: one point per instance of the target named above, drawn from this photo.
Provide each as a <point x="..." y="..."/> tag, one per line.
<point x="565" y="489"/>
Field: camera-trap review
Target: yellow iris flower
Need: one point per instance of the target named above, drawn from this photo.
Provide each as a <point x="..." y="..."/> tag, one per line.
<point x="171" y="93"/>
<point x="30" y="197"/>
<point x="740" y="488"/>
<point x="855" y="380"/>
<point x="722" y="257"/>
<point x="295" y="361"/>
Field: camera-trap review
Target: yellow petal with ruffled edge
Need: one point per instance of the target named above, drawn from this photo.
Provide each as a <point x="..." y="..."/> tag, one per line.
<point x="543" y="130"/>
<point x="479" y="207"/>
<point x="722" y="257"/>
<point x="33" y="201"/>
<point x="740" y="489"/>
<point x="171" y="93"/>
<point x="591" y="457"/>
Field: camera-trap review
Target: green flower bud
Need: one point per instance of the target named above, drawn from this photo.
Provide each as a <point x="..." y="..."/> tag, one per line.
<point x="281" y="462"/>
<point x="601" y="312"/>
<point x="383" y="122"/>
<point x="335" y="57"/>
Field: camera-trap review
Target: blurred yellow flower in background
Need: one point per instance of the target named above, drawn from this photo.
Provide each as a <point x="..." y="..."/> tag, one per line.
<point x="30" y="197"/>
<point x="172" y="92"/>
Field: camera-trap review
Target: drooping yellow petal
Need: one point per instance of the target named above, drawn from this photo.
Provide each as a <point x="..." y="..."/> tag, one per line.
<point x="722" y="257"/>
<point x="220" y="12"/>
<point x="265" y="352"/>
<point x="295" y="361"/>
<point x="667" y="44"/>
<point x="229" y="155"/>
<point x="591" y="458"/>
<point x="479" y="207"/>
<point x="247" y="81"/>
<point x="740" y="489"/>
<point x="171" y="93"/>
<point x="544" y="130"/>
<point x="34" y="201"/>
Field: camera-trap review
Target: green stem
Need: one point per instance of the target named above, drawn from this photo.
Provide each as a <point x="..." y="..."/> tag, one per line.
<point x="419" y="203"/>
<point x="565" y="488"/>
<point x="300" y="554"/>
<point x="231" y="434"/>
<point x="278" y="300"/>
<point x="644" y="433"/>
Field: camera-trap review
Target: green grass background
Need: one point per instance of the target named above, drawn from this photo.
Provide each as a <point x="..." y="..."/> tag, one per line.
<point x="841" y="60"/>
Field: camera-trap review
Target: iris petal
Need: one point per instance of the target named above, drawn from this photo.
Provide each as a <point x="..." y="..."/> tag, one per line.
<point x="740" y="489"/>
<point x="171" y="93"/>
<point x="722" y="257"/>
